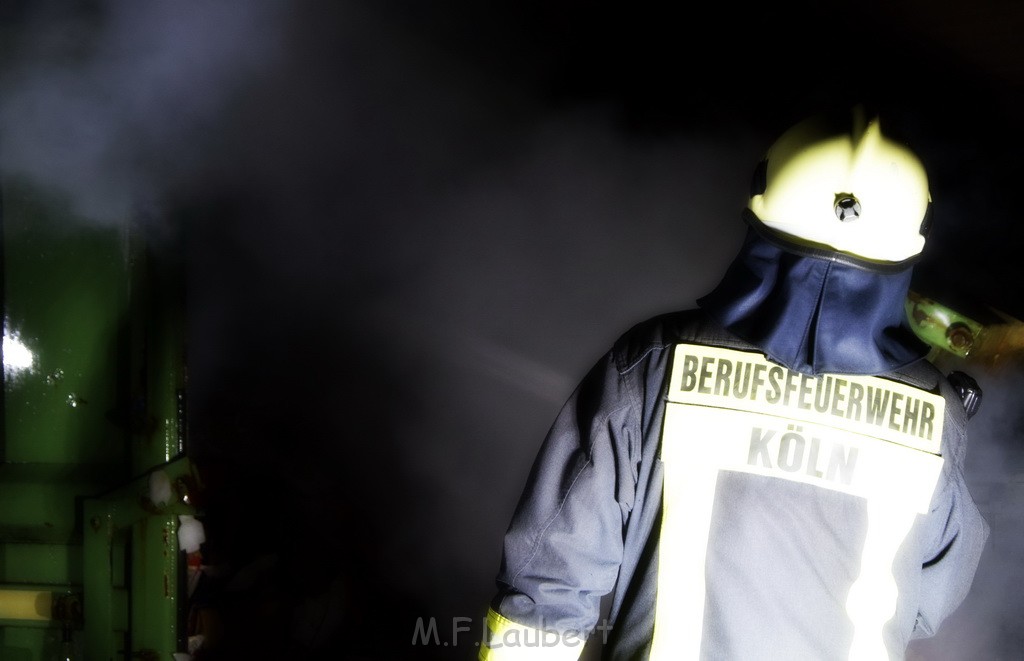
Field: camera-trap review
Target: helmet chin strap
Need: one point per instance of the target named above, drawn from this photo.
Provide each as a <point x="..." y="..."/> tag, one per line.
<point x="820" y="251"/>
<point x="816" y="314"/>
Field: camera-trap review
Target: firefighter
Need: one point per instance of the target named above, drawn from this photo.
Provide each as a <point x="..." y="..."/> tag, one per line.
<point x="776" y="473"/>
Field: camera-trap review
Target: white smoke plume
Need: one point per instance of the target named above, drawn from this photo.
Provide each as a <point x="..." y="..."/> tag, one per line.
<point x="106" y="103"/>
<point x="988" y="623"/>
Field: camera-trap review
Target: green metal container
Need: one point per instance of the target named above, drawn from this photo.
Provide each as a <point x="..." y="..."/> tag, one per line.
<point x="94" y="387"/>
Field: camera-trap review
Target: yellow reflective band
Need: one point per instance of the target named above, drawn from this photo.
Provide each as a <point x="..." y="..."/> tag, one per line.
<point x="872" y="599"/>
<point x="508" y="640"/>
<point x="711" y="425"/>
<point x="747" y="381"/>
<point x="26" y="605"/>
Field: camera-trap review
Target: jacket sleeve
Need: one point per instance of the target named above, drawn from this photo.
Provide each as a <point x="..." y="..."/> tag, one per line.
<point x="564" y="545"/>
<point x="961" y="532"/>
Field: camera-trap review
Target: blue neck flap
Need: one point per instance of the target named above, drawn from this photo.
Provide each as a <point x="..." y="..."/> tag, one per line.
<point x="815" y="315"/>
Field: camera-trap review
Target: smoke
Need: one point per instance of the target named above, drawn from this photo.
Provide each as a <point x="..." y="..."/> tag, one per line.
<point x="109" y="103"/>
<point x="988" y="623"/>
<point x="545" y="254"/>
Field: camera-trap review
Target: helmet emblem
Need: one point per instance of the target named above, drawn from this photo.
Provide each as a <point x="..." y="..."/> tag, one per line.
<point x="847" y="207"/>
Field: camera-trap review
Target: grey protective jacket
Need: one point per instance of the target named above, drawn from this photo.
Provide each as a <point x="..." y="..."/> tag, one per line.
<point x="792" y="551"/>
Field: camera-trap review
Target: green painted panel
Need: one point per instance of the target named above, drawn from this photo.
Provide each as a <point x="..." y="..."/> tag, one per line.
<point x="35" y="511"/>
<point x="65" y="304"/>
<point x="48" y="564"/>
<point x="33" y="643"/>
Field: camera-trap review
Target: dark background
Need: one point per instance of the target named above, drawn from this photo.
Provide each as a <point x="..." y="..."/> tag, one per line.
<point x="410" y="228"/>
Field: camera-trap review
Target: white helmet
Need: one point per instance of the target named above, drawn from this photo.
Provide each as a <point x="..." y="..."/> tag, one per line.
<point x="852" y="195"/>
